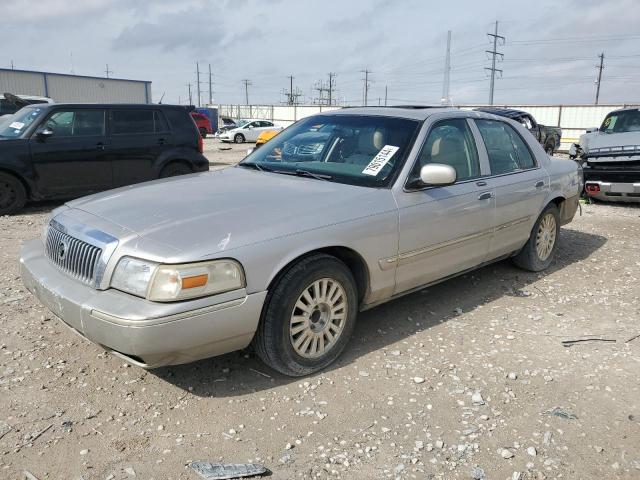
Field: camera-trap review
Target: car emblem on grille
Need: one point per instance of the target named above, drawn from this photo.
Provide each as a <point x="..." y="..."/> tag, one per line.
<point x="63" y="247"/>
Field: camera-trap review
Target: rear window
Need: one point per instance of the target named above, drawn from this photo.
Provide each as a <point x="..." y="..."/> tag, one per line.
<point x="126" y="122"/>
<point x="180" y="121"/>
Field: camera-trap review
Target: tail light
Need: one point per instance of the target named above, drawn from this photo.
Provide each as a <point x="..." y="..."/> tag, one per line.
<point x="592" y="188"/>
<point x="200" y="143"/>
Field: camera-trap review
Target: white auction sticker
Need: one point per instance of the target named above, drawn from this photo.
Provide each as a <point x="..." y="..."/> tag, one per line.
<point x="16" y="125"/>
<point x="380" y="160"/>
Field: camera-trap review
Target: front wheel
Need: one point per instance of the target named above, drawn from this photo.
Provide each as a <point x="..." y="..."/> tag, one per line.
<point x="540" y="249"/>
<point x="309" y="316"/>
<point x="239" y="138"/>
<point x="550" y="148"/>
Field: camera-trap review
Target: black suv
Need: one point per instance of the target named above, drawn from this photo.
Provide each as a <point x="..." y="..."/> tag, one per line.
<point x="70" y="150"/>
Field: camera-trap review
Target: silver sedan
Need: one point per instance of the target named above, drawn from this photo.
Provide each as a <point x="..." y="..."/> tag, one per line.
<point x="340" y="212"/>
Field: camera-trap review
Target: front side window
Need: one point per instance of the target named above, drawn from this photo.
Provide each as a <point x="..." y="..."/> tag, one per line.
<point x="76" y="123"/>
<point x="133" y="122"/>
<point x="450" y="142"/>
<point x="363" y="150"/>
<point x="506" y="149"/>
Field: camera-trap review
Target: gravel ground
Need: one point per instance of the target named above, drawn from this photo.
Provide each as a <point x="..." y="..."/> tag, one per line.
<point x="467" y="379"/>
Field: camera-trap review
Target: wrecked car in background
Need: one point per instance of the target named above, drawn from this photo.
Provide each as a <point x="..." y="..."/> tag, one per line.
<point x="396" y="199"/>
<point x="610" y="157"/>
<point x="548" y="137"/>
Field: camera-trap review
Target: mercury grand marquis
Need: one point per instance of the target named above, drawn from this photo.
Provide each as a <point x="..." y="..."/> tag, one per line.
<point x="338" y="213"/>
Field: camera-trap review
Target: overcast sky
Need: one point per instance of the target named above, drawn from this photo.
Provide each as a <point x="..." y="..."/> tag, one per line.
<point x="550" y="52"/>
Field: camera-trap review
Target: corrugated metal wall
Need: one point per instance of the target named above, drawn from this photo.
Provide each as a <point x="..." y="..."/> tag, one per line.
<point x="574" y="119"/>
<point x="73" y="88"/>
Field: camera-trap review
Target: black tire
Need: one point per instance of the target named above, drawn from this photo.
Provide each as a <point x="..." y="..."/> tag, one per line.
<point x="550" y="148"/>
<point x="203" y="132"/>
<point x="274" y="340"/>
<point x="238" y="138"/>
<point x="529" y="258"/>
<point x="13" y="195"/>
<point x="174" y="169"/>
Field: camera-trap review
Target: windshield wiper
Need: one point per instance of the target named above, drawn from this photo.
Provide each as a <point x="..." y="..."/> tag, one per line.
<point x="253" y="165"/>
<point x="307" y="173"/>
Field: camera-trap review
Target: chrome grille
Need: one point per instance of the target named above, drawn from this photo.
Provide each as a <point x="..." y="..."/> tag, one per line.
<point x="75" y="257"/>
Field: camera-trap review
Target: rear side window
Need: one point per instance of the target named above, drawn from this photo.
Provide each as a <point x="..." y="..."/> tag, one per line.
<point x="133" y="121"/>
<point x="507" y="151"/>
<point x="180" y="121"/>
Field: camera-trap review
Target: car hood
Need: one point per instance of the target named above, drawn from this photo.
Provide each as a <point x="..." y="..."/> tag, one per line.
<point x="213" y="212"/>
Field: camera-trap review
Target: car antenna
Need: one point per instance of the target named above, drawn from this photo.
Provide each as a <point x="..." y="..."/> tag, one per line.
<point x="160" y="101"/>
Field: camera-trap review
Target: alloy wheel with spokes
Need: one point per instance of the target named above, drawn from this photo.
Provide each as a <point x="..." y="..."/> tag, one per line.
<point x="318" y="318"/>
<point x="546" y="236"/>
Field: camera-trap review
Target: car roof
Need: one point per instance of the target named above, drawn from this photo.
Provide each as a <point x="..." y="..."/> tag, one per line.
<point x="410" y="112"/>
<point x="107" y="105"/>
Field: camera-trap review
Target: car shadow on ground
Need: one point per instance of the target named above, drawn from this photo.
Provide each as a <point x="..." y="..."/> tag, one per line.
<point x="242" y="373"/>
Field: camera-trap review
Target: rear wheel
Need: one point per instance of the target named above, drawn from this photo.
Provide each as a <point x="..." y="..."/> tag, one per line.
<point x="13" y="195"/>
<point x="549" y="148"/>
<point x="539" y="251"/>
<point x="309" y="316"/>
<point x="239" y="138"/>
<point x="174" y="169"/>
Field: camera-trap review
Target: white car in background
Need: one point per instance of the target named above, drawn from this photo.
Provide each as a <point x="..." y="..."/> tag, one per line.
<point x="249" y="132"/>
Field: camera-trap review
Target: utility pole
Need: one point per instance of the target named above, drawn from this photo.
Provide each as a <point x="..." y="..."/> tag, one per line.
<point x="290" y="99"/>
<point x="12" y="65"/>
<point x="190" y="99"/>
<point x="445" y="100"/>
<point x="366" y="85"/>
<point x="599" y="76"/>
<point x="331" y="85"/>
<point x="246" y="90"/>
<point x="385" y="95"/>
<point x="493" y="68"/>
<point x="107" y="71"/>
<point x="198" y="81"/>
<point x="210" y="87"/>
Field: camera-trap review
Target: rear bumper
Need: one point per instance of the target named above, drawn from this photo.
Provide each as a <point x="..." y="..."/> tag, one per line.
<point x="144" y="333"/>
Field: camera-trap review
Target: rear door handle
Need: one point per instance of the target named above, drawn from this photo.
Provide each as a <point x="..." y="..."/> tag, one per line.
<point x="540" y="184"/>
<point x="481" y="183"/>
<point x="161" y="141"/>
<point x="100" y="146"/>
<point x="485" y="196"/>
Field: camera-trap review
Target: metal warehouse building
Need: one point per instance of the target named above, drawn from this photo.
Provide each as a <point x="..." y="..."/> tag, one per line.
<point x="63" y="87"/>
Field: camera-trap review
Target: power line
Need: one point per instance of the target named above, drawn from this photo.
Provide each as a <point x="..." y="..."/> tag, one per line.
<point x="599" y="76"/>
<point x="494" y="53"/>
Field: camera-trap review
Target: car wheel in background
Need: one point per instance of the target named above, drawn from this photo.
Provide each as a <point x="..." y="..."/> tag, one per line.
<point x="550" y="148"/>
<point x="174" y="169"/>
<point x="309" y="316"/>
<point x="13" y="195"/>
<point x="203" y="132"/>
<point x="540" y="249"/>
<point x="238" y="138"/>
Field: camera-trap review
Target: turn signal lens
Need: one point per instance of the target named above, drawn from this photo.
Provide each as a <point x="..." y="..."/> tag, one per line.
<point x="195" y="282"/>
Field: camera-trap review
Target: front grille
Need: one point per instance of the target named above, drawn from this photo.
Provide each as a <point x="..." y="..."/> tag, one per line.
<point x="74" y="257"/>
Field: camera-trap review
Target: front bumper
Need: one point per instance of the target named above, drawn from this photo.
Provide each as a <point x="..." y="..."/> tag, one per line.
<point x="147" y="334"/>
<point x="613" y="191"/>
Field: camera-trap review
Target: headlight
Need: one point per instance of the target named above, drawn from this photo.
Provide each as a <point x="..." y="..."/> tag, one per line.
<point x="168" y="283"/>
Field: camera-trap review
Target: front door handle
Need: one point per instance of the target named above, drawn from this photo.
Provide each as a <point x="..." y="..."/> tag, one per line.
<point x="100" y="146"/>
<point x="161" y="141"/>
<point x="481" y="183"/>
<point x="485" y="196"/>
<point x="540" y="184"/>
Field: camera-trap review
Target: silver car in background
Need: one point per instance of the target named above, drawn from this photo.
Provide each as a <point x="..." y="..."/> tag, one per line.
<point x="283" y="251"/>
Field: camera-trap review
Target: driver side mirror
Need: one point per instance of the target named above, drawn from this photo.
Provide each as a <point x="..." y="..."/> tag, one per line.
<point x="249" y="127"/>
<point x="44" y="133"/>
<point x="438" y="175"/>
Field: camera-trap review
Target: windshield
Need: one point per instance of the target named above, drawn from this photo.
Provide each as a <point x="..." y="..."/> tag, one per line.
<point x="622" y="122"/>
<point x="20" y="121"/>
<point x="355" y="149"/>
<point x="241" y="123"/>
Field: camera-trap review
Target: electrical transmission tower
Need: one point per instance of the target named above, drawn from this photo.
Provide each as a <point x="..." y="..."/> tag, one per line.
<point x="599" y="80"/>
<point x="292" y="96"/>
<point x="246" y="83"/>
<point x="494" y="53"/>
<point x="366" y="86"/>
<point x="446" y="99"/>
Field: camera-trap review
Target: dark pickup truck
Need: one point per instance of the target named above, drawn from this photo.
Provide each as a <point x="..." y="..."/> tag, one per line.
<point x="69" y="150"/>
<point x="548" y="137"/>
